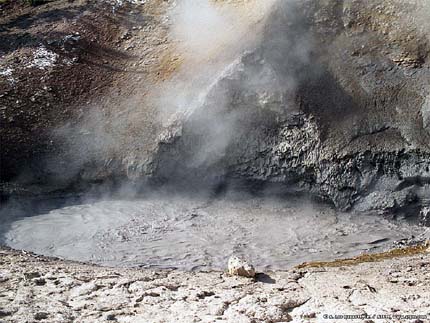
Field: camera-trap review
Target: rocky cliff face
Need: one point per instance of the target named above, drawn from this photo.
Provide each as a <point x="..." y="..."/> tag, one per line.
<point x="333" y="99"/>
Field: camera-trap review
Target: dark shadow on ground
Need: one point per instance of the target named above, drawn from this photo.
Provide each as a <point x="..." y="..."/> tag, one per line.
<point x="264" y="278"/>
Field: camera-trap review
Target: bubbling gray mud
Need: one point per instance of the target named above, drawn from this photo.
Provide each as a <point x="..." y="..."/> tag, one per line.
<point x="201" y="234"/>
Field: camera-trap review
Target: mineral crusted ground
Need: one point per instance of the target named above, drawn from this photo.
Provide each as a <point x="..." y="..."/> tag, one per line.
<point x="34" y="288"/>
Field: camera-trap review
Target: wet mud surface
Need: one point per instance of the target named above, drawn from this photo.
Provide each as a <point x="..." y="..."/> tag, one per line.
<point x="198" y="233"/>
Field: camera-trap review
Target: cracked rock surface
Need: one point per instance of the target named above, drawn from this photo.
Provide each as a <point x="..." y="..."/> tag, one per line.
<point x="333" y="101"/>
<point x="34" y="288"/>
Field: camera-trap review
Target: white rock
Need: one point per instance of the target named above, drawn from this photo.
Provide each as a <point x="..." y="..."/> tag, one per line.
<point x="84" y="289"/>
<point x="425" y="216"/>
<point x="240" y="267"/>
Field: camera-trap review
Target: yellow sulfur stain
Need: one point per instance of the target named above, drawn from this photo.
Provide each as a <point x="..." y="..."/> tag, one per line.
<point x="394" y="253"/>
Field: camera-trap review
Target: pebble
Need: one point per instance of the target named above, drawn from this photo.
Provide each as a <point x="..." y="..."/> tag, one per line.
<point x="39" y="281"/>
<point x="41" y="316"/>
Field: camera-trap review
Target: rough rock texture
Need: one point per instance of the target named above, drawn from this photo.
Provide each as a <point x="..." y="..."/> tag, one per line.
<point x="425" y="216"/>
<point x="334" y="101"/>
<point x="240" y="267"/>
<point x="73" y="75"/>
<point x="48" y="290"/>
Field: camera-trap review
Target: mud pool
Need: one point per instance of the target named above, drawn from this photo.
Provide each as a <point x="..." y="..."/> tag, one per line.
<point x="198" y="233"/>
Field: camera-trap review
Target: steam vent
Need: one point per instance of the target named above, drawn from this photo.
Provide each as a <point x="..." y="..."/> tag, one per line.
<point x="215" y="161"/>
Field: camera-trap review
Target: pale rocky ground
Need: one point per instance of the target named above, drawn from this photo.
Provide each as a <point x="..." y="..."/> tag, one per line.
<point x="34" y="288"/>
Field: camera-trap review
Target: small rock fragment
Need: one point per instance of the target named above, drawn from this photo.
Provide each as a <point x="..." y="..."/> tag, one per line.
<point x="39" y="282"/>
<point x="4" y="313"/>
<point x="425" y="216"/>
<point x="31" y="275"/>
<point x="240" y="267"/>
<point x="41" y="316"/>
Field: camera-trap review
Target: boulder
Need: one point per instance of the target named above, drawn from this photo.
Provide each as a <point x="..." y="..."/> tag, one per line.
<point x="240" y="267"/>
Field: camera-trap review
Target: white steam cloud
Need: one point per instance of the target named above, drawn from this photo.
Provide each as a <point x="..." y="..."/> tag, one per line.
<point x="209" y="36"/>
<point x="212" y="37"/>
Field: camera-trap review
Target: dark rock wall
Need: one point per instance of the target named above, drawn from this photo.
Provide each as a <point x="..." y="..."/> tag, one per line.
<point x="333" y="101"/>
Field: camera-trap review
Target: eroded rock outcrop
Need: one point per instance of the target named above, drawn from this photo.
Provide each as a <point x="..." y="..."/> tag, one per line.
<point x="333" y="101"/>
